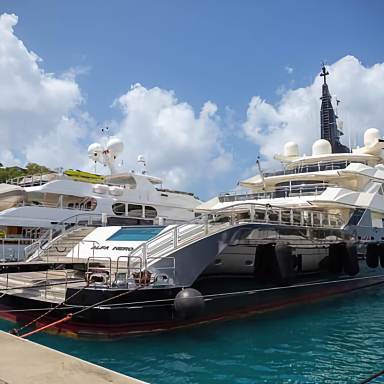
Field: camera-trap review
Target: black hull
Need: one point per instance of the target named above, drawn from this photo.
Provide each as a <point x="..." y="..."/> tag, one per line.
<point x="152" y="309"/>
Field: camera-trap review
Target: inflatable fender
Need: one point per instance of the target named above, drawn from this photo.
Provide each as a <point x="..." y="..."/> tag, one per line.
<point x="372" y="255"/>
<point x="350" y="260"/>
<point x="334" y="262"/>
<point x="381" y="254"/>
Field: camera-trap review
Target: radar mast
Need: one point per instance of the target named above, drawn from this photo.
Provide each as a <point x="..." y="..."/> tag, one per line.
<point x="329" y="129"/>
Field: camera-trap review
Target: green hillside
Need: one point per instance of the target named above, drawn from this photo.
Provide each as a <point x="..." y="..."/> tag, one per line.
<point x="30" y="169"/>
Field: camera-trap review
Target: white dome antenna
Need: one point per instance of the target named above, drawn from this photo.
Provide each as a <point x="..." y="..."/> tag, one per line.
<point x="371" y="136"/>
<point x="106" y="155"/>
<point x="115" y="146"/>
<point x="291" y="149"/>
<point x="94" y="151"/>
<point x="142" y="164"/>
<point x="321" y="147"/>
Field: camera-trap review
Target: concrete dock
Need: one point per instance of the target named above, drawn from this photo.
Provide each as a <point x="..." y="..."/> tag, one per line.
<point x="25" y="362"/>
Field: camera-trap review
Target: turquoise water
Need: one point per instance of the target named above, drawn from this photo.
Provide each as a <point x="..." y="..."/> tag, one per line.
<point x="336" y="341"/>
<point x="136" y="234"/>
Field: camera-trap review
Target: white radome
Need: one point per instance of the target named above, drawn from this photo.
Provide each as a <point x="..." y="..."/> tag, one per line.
<point x="140" y="159"/>
<point x="371" y="136"/>
<point x="94" y="151"/>
<point x="321" y="147"/>
<point x="291" y="149"/>
<point x="115" y="145"/>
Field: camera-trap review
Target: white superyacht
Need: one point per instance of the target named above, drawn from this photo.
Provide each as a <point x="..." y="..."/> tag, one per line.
<point x="30" y="206"/>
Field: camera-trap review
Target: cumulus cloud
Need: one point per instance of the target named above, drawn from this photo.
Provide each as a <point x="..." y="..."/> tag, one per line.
<point x="179" y="145"/>
<point x="36" y="108"/>
<point x="42" y="119"/>
<point x="296" y="116"/>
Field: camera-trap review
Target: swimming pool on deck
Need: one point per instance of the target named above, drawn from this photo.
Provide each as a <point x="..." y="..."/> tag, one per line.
<point x="141" y="233"/>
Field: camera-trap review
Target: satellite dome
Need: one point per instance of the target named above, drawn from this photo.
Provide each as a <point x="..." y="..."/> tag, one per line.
<point x="291" y="149"/>
<point x="115" y="145"/>
<point x="321" y="147"/>
<point x="140" y="159"/>
<point x="94" y="151"/>
<point x="371" y="136"/>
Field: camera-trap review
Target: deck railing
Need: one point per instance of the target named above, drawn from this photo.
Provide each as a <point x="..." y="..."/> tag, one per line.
<point x="316" y="167"/>
<point x="31" y="180"/>
<point x="181" y="235"/>
<point x="279" y="192"/>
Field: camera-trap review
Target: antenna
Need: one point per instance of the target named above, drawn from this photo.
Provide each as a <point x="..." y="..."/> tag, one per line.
<point x="141" y="161"/>
<point x="324" y="73"/>
<point x="260" y="171"/>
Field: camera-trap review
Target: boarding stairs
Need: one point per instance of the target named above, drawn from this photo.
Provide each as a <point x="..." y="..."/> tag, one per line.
<point x="58" y="248"/>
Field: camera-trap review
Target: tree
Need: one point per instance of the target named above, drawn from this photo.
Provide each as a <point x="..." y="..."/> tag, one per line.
<point x="30" y="169"/>
<point x="34" y="169"/>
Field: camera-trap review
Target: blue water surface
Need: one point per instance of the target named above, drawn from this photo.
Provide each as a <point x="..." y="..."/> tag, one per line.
<point x="336" y="341"/>
<point x="140" y="233"/>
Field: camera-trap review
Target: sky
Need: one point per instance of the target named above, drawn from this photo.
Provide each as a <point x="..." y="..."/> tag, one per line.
<point x="200" y="88"/>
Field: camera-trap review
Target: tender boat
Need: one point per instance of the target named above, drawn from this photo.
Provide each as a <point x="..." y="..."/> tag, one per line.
<point x="312" y="230"/>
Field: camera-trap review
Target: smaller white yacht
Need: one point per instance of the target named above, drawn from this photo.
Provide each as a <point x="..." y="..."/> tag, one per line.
<point x="31" y="205"/>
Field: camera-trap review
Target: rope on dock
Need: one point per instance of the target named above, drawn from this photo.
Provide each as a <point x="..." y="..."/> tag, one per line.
<point x="18" y="330"/>
<point x="374" y="376"/>
<point x="66" y="318"/>
<point x="71" y="315"/>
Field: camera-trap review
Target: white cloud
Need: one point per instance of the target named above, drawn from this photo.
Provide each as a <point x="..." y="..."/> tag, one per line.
<point x="178" y="145"/>
<point x="37" y="109"/>
<point x="43" y="119"/>
<point x="297" y="115"/>
<point x="288" y="69"/>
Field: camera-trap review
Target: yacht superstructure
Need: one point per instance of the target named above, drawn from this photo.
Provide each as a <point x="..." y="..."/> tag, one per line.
<point x="30" y="205"/>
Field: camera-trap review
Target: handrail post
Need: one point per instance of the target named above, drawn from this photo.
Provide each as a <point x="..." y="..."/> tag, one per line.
<point x="145" y="255"/>
<point x="46" y="282"/>
<point x="252" y="213"/>
<point x="206" y="223"/>
<point x="175" y="237"/>
<point x="291" y="216"/>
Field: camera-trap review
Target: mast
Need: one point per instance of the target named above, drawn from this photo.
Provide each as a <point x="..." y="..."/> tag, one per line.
<point x="329" y="130"/>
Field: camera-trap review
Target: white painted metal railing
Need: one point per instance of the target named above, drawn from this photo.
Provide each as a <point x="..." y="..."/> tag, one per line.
<point x="179" y="236"/>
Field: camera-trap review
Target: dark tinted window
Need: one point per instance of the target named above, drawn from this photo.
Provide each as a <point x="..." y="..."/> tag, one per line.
<point x="135" y="210"/>
<point x="150" y="212"/>
<point x="118" y="209"/>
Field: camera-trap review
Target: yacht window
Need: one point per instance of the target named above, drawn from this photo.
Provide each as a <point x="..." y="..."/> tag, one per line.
<point x="118" y="209"/>
<point x="381" y="190"/>
<point x="135" y="210"/>
<point x="150" y="212"/>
